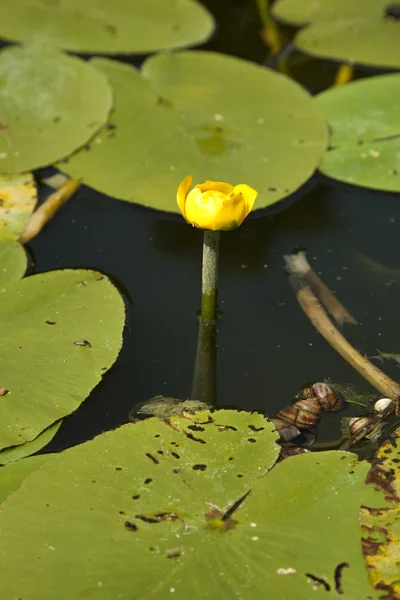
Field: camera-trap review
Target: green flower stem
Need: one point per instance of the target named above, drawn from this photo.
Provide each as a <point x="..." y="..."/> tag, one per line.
<point x="205" y="371"/>
<point x="209" y="289"/>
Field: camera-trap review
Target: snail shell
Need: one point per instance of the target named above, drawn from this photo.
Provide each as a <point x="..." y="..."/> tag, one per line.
<point x="381" y="404"/>
<point x="357" y="423"/>
<point x="326" y="397"/>
<point x="312" y="405"/>
<point x="299" y="417"/>
<point x="287" y="432"/>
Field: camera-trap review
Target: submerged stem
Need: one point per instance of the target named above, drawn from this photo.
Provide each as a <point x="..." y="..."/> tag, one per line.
<point x="209" y="289"/>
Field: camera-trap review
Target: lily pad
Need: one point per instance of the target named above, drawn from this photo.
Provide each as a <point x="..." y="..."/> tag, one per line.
<point x="18" y="197"/>
<point x="94" y="26"/>
<point x="381" y="526"/>
<point x="50" y="105"/>
<point x="365" y="124"/>
<point x="13" y="263"/>
<point x="60" y="332"/>
<point x="214" y="116"/>
<point x="308" y="11"/>
<point x="163" y="511"/>
<point x="9" y="455"/>
<point x="358" y="40"/>
<point x="13" y="475"/>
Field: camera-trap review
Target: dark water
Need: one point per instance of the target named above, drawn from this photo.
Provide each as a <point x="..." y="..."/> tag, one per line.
<point x="266" y="346"/>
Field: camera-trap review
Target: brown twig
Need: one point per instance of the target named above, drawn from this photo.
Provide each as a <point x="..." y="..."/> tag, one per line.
<point x="48" y="209"/>
<point x="318" y="317"/>
<point x="298" y="264"/>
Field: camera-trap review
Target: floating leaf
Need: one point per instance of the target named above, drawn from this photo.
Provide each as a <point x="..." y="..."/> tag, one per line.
<point x="92" y="27"/>
<point x="13" y="263"/>
<point x="13" y="475"/>
<point x="60" y="332"/>
<point x="381" y="526"/>
<point x="309" y="11"/>
<point x="18" y="198"/>
<point x="365" y="124"/>
<point x="15" y="453"/>
<point x="359" y="40"/>
<point x="160" y="511"/>
<point x="50" y="105"/>
<point x="210" y="115"/>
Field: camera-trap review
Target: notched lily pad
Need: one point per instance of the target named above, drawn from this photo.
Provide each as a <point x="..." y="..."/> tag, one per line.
<point x="152" y="490"/>
<point x="365" y="125"/>
<point x="50" y="105"/>
<point x="12" y="476"/>
<point x="18" y="197"/>
<point x="46" y="374"/>
<point x="13" y="263"/>
<point x="214" y="116"/>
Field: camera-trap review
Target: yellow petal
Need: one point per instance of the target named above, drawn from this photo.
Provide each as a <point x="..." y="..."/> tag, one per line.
<point x="232" y="213"/>
<point x="183" y="191"/>
<point x="248" y="193"/>
<point x="202" y="209"/>
<point x="219" y="186"/>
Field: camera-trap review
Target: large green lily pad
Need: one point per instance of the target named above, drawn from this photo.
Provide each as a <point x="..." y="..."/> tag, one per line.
<point x="13" y="262"/>
<point x="18" y="197"/>
<point x="60" y="332"/>
<point x="365" y="124"/>
<point x="94" y="26"/>
<point x="363" y="41"/>
<point x="158" y="511"/>
<point x="50" y="105"/>
<point x="381" y="526"/>
<point x="13" y="475"/>
<point x="308" y="11"/>
<point x="210" y="115"/>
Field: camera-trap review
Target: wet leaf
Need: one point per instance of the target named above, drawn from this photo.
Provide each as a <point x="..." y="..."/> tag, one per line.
<point x="15" y="453"/>
<point x="94" y="26"/>
<point x="60" y="332"/>
<point x="13" y="475"/>
<point x="308" y="11"/>
<point x="381" y="526"/>
<point x="163" y="509"/>
<point x="210" y="115"/>
<point x="13" y="263"/>
<point x="50" y="105"/>
<point x="18" y="198"/>
<point x="365" y="125"/>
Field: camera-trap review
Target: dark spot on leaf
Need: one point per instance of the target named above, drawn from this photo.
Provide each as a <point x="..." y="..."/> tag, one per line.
<point x="166" y="516"/>
<point x="157" y="435"/>
<point x="147" y="519"/>
<point x="56" y="119"/>
<point x="148" y="480"/>
<point x="231" y="458"/>
<point x="83" y="343"/>
<point x="151" y="548"/>
<point x="338" y="576"/>
<point x="392" y="11"/>
<point x="272" y="189"/>
<point x="111" y="29"/>
<point x="319" y="581"/>
<point x="175" y="454"/>
<point x="118" y="468"/>
<point x="122" y="512"/>
<point x="131" y="526"/>
<point x="195" y="428"/>
<point x="252" y="440"/>
<point x="194" y="439"/>
<point x="199" y="467"/>
<point x="253" y="428"/>
<point x="394" y="171"/>
<point x="136" y="497"/>
<point x="93" y="481"/>
<point x="360" y="142"/>
<point x="173" y="553"/>
<point x="50" y="322"/>
<point x="160" y="452"/>
<point x="351" y="472"/>
<point x="163" y="101"/>
<point x="239" y="475"/>
<point x="153" y="458"/>
<point x="226" y="428"/>
<point x="175" y="470"/>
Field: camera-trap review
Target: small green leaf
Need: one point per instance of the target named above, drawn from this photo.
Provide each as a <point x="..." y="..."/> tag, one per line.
<point x="13" y="475"/>
<point x="18" y="197"/>
<point x="15" y="453"/>
<point x="95" y="26"/>
<point x="365" y="125"/>
<point x="60" y="332"/>
<point x="165" y="510"/>
<point x="13" y="263"/>
<point x="214" y="116"/>
<point x="308" y="11"/>
<point x="50" y="105"/>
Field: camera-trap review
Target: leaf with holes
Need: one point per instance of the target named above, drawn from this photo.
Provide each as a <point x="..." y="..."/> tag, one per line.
<point x="92" y="27"/>
<point x="187" y="508"/>
<point x="13" y="475"/>
<point x="50" y="105"/>
<point x="60" y="332"/>
<point x="365" y="124"/>
<point x="381" y="526"/>
<point x="13" y="263"/>
<point x="214" y="116"/>
<point x="18" y="197"/>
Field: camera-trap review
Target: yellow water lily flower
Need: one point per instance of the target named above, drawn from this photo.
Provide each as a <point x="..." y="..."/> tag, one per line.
<point x="215" y="205"/>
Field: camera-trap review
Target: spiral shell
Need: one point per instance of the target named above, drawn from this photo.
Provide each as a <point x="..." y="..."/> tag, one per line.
<point x="381" y="404"/>
<point x="326" y="397"/>
<point x="357" y="423"/>
<point x="299" y="417"/>
<point x="287" y="432"/>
